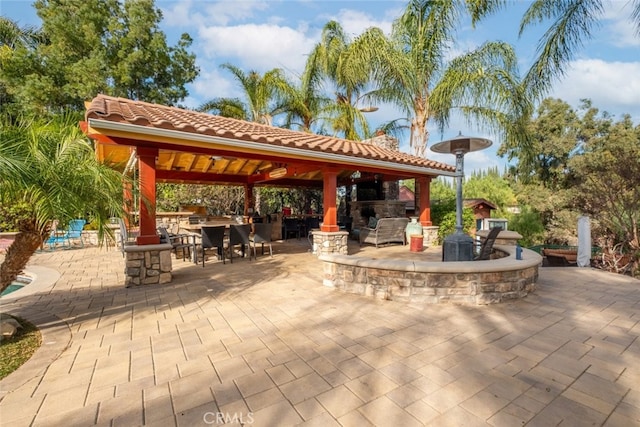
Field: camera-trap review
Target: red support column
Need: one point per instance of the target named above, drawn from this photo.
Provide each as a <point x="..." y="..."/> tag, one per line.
<point x="423" y="183"/>
<point x="329" y="193"/>
<point x="147" y="168"/>
<point x="127" y="202"/>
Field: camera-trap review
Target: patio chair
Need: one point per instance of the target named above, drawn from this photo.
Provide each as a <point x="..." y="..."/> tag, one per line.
<point x="262" y="234"/>
<point x="311" y="223"/>
<point x="239" y="235"/>
<point x="486" y="248"/>
<point x="178" y="242"/>
<point x="126" y="239"/>
<point x="212" y="237"/>
<point x="73" y="232"/>
<point x="291" y="225"/>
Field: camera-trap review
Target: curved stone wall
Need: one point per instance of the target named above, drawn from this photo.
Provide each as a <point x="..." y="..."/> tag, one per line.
<point x="466" y="282"/>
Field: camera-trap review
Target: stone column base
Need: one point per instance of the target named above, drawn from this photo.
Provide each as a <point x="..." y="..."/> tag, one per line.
<point x="147" y="264"/>
<point x="325" y="242"/>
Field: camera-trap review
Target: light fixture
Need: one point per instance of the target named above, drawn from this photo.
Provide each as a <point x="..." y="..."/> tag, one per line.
<point x="369" y="109"/>
<point x="278" y="173"/>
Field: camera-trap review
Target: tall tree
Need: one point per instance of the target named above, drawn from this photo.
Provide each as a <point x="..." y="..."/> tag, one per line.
<point x="328" y="64"/>
<point x="490" y="185"/>
<point x="413" y="70"/>
<point x="12" y="35"/>
<point x="93" y="46"/>
<point x="264" y="96"/>
<point x="553" y="135"/>
<point x="606" y="182"/>
<point x="306" y="104"/>
<point x="48" y="171"/>
<point x="572" y="23"/>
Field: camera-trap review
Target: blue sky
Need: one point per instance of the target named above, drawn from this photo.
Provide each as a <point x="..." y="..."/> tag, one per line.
<point x="261" y="35"/>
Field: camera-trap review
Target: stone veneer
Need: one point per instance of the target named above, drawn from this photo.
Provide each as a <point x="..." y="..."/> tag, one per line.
<point x="382" y="209"/>
<point x="325" y="242"/>
<point x="147" y="264"/>
<point x="466" y="282"/>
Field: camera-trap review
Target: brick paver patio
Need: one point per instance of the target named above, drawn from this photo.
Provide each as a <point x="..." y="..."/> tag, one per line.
<point x="264" y="343"/>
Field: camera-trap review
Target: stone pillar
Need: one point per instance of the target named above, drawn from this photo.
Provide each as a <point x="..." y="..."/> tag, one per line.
<point x="147" y="264"/>
<point x="330" y="242"/>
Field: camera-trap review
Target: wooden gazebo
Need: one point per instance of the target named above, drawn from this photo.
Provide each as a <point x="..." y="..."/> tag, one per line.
<point x="183" y="146"/>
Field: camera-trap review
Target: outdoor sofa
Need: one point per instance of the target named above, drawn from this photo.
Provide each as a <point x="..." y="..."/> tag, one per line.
<point x="387" y="230"/>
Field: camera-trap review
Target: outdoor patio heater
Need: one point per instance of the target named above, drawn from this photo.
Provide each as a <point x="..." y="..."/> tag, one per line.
<point x="459" y="245"/>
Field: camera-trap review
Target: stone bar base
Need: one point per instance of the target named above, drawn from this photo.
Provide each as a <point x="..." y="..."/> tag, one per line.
<point x="147" y="264"/>
<point x="325" y="242"/>
<point x="424" y="282"/>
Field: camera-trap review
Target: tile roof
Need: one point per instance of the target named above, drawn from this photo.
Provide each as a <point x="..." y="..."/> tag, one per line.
<point x="122" y="110"/>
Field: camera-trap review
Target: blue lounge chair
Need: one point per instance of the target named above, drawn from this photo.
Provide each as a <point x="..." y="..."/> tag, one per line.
<point x="73" y="232"/>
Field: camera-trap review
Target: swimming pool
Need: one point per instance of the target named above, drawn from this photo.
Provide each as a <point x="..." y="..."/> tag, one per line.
<point x="19" y="283"/>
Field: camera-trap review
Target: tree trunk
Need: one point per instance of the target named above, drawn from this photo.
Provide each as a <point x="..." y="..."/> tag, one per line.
<point x="419" y="134"/>
<point x="17" y="256"/>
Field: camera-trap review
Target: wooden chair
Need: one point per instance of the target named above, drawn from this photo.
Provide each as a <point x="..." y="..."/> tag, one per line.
<point x="486" y="248"/>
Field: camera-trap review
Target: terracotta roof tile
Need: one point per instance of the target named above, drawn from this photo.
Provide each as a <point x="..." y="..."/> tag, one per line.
<point x="140" y="113"/>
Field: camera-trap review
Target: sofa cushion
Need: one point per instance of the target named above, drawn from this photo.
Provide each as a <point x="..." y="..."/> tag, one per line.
<point x="373" y="222"/>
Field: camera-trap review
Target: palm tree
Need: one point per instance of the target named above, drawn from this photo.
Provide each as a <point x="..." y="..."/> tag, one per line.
<point x="413" y="71"/>
<point x="48" y="172"/>
<point x="264" y="96"/>
<point x="12" y="35"/>
<point x="306" y="105"/>
<point x="328" y="63"/>
<point x="573" y="22"/>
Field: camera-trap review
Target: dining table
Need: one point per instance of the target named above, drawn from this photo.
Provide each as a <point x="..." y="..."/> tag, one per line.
<point x="194" y="231"/>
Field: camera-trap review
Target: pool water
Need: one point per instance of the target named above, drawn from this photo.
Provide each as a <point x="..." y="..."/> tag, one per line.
<point x="19" y="283"/>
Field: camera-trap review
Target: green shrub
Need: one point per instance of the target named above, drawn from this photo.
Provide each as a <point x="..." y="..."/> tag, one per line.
<point x="448" y="223"/>
<point x="529" y="224"/>
<point x="12" y="215"/>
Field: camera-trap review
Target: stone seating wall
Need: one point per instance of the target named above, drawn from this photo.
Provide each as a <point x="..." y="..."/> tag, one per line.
<point x="469" y="282"/>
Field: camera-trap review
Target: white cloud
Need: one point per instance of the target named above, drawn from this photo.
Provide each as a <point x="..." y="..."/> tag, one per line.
<point x="178" y="14"/>
<point x="612" y="86"/>
<point x="619" y="28"/>
<point x="257" y="46"/>
<point x="211" y="83"/>
<point x="223" y="12"/>
<point x="354" y="22"/>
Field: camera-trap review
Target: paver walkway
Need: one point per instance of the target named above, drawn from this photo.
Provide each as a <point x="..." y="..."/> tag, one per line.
<point x="264" y="343"/>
